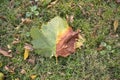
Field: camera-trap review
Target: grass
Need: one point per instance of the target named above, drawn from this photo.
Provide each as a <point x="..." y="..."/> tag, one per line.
<point x="95" y="19"/>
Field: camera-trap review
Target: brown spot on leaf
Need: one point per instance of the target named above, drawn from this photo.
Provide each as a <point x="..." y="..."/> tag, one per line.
<point x="66" y="44"/>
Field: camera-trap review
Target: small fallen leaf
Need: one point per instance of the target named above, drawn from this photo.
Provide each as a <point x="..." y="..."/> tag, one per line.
<point x="33" y="76"/>
<point x="26" y="54"/>
<point x="16" y="42"/>
<point x="5" y="53"/>
<point x="22" y="71"/>
<point x="1" y="76"/>
<point x="8" y="46"/>
<point x="10" y="68"/>
<point x="12" y="3"/>
<point x="31" y="61"/>
<point x="28" y="48"/>
<point x="118" y="1"/>
<point x="70" y="18"/>
<point x="16" y="39"/>
<point x="100" y="48"/>
<point x="9" y="51"/>
<point x="26" y="20"/>
<point x="115" y="25"/>
<point x="52" y="3"/>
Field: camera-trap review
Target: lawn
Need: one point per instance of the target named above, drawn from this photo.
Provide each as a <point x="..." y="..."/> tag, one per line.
<point x="98" y="59"/>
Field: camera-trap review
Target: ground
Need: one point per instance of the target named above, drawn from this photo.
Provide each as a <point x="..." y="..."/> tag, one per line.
<point x="98" y="59"/>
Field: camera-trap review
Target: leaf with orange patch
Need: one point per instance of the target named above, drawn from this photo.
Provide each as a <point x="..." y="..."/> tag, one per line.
<point x="56" y="38"/>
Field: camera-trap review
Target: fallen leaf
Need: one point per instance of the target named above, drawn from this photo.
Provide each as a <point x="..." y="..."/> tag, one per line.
<point x="100" y="48"/>
<point x="9" y="68"/>
<point x="16" y="39"/>
<point x="9" y="51"/>
<point x="70" y="18"/>
<point x="52" y="3"/>
<point x="56" y="38"/>
<point x="22" y="71"/>
<point x="1" y="76"/>
<point x="5" y="53"/>
<point x="16" y="42"/>
<point x="118" y="1"/>
<point x="8" y="46"/>
<point x="28" y="48"/>
<point x="26" y="54"/>
<point x="1" y="64"/>
<point x="26" y="20"/>
<point x="32" y="61"/>
<point x="115" y="25"/>
<point x="33" y="76"/>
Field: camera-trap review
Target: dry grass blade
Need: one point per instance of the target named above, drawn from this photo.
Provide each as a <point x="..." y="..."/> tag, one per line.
<point x="115" y="25"/>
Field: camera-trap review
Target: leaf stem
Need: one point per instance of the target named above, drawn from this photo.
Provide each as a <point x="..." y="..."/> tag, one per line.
<point x="56" y="60"/>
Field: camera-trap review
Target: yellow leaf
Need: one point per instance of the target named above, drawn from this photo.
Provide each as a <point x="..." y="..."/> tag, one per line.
<point x="26" y="54"/>
<point x="115" y="25"/>
<point x="33" y="77"/>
